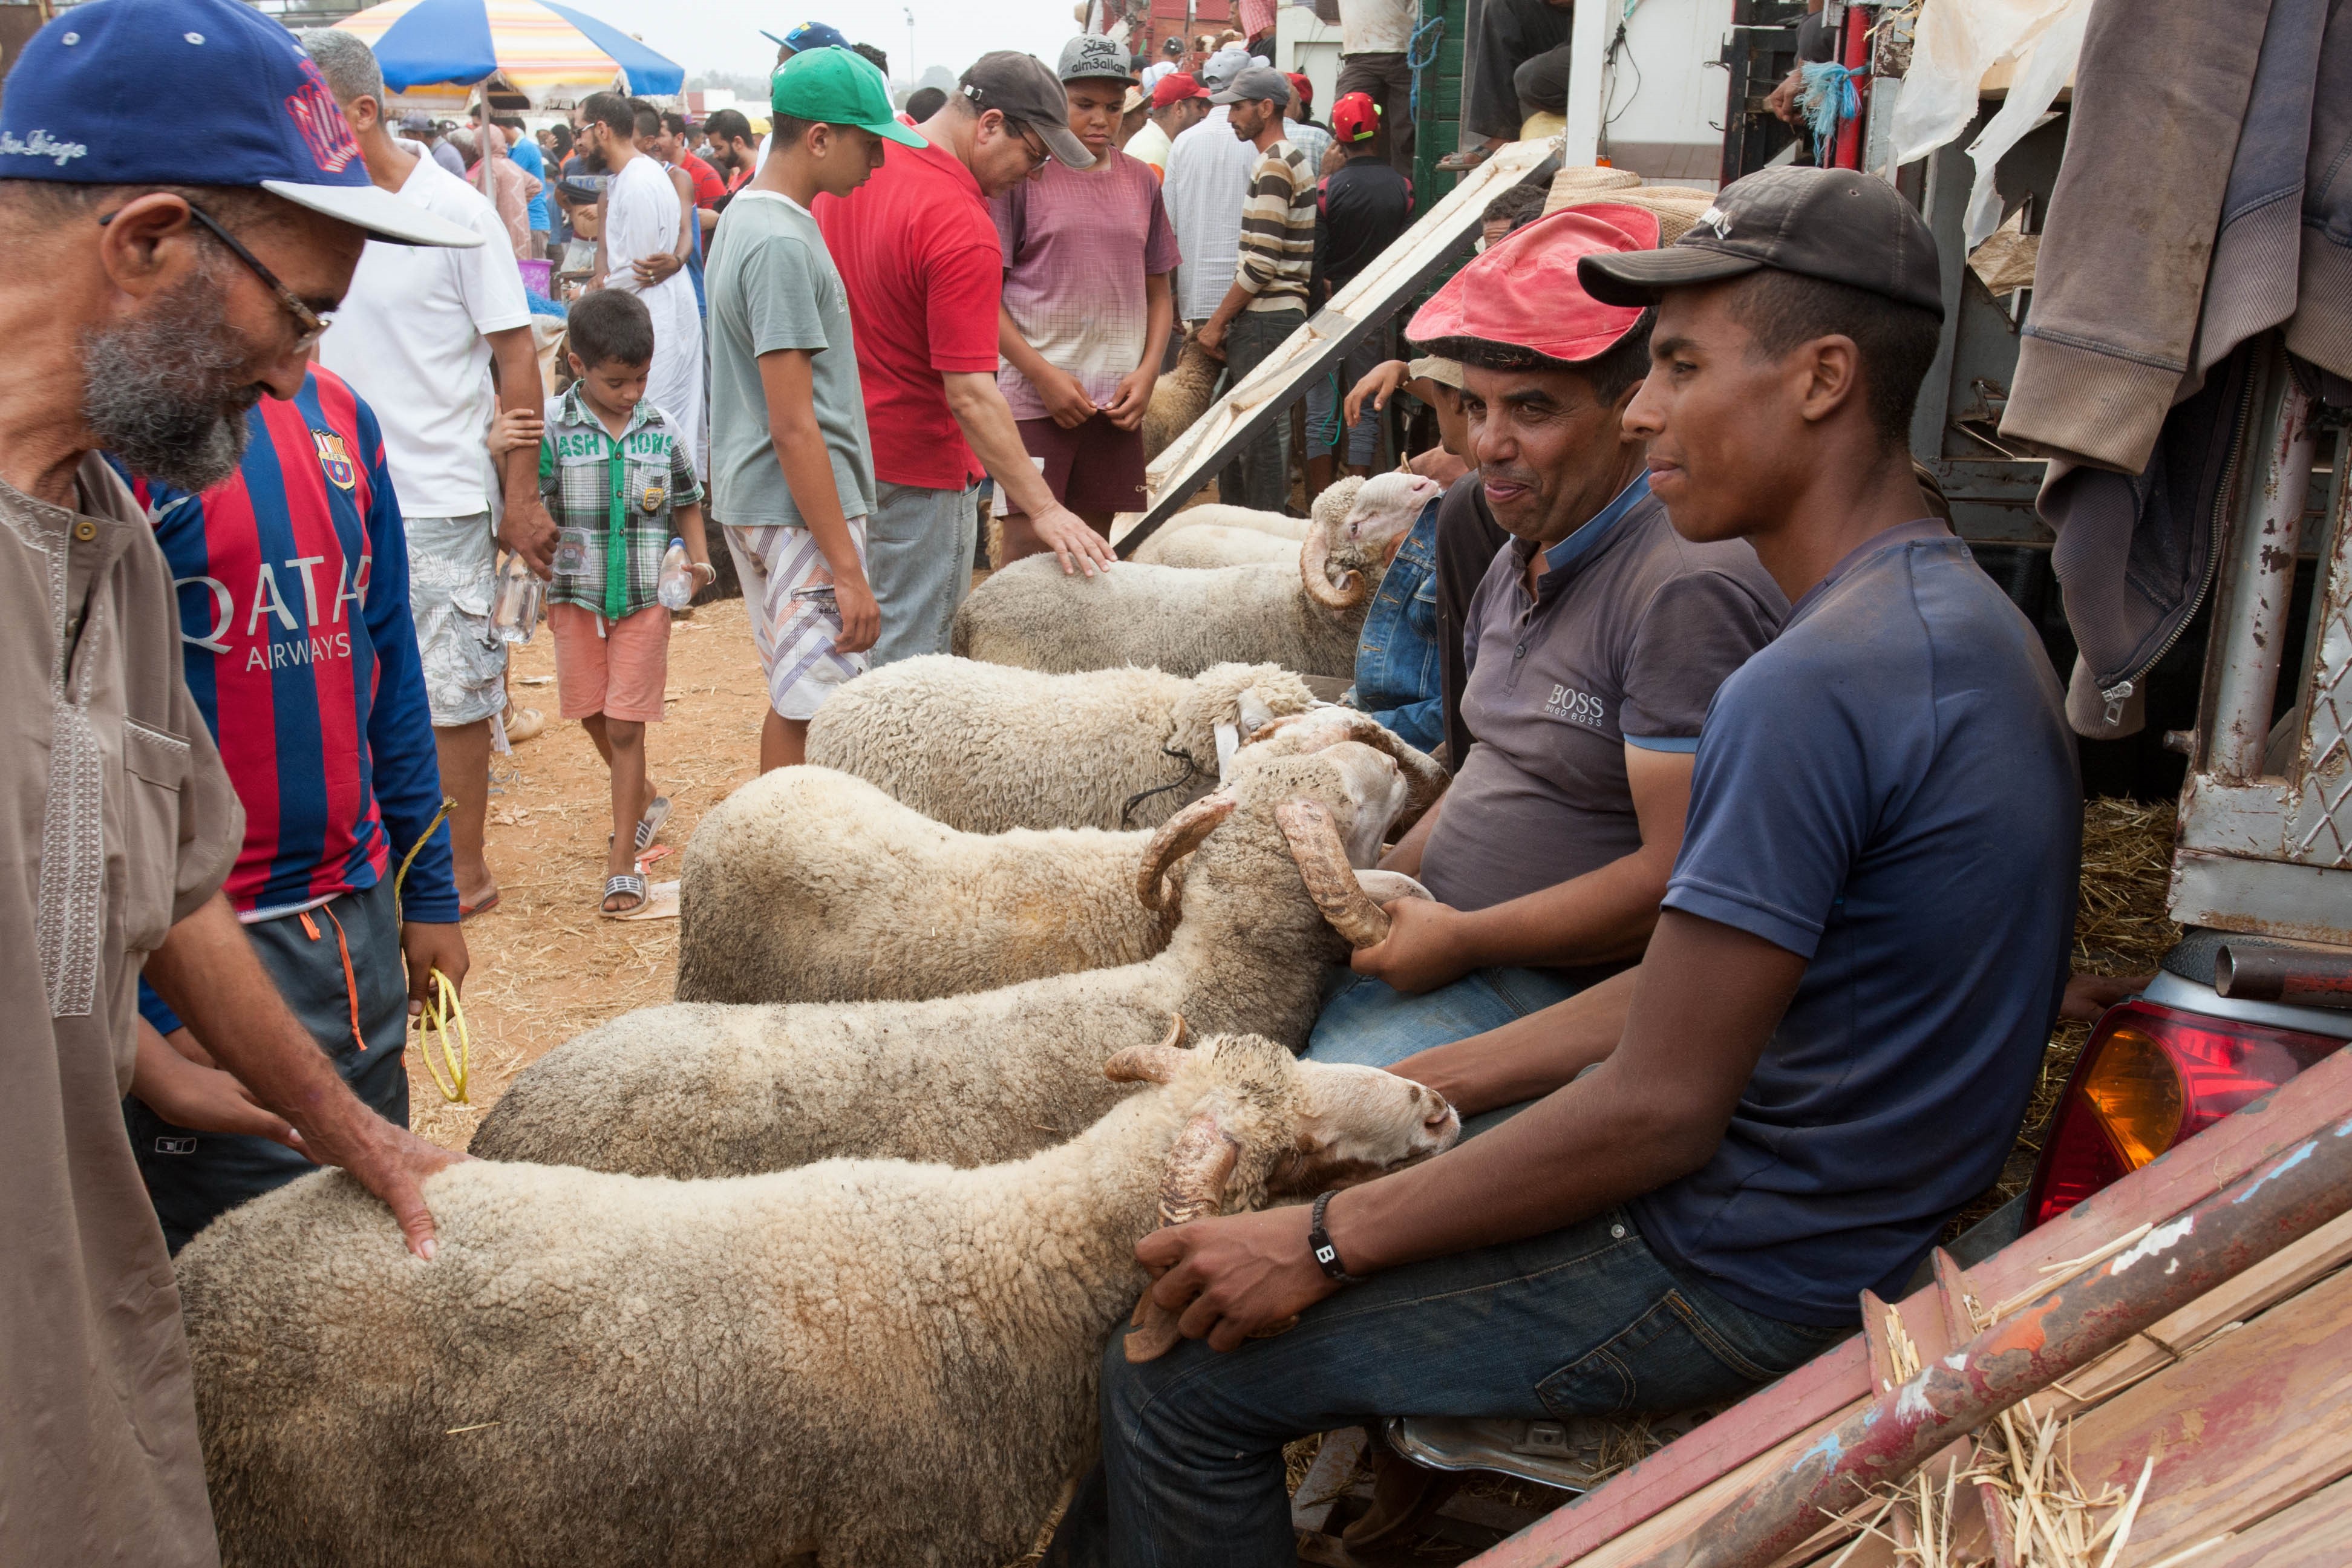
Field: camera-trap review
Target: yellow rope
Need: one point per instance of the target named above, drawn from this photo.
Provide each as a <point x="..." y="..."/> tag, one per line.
<point x="433" y="1025"/>
<point x="448" y="805"/>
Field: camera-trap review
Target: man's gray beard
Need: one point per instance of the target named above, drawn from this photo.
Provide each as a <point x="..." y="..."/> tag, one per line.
<point x="162" y="391"/>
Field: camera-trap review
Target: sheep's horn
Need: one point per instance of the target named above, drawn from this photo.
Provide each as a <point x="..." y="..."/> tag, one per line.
<point x="1193" y="1184"/>
<point x="1322" y="861"/>
<point x="1153" y="1064"/>
<point x="1426" y="778"/>
<point x="1385" y="888"/>
<point x="1314" y="573"/>
<point x="1178" y="837"/>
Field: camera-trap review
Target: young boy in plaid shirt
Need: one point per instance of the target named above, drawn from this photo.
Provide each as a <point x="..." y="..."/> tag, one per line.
<point x="619" y="484"/>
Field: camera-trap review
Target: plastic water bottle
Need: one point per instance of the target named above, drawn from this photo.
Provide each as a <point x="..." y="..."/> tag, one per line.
<point x="515" y="607"/>
<point x="677" y="587"/>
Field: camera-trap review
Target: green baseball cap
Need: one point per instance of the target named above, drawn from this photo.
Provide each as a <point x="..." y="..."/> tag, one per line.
<point x="840" y="88"/>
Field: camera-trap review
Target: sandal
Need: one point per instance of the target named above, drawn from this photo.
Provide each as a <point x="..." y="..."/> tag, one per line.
<point x="649" y="827"/>
<point x="1468" y="158"/>
<point x="622" y="884"/>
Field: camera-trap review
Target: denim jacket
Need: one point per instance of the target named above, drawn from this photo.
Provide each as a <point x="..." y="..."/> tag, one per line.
<point x="1396" y="676"/>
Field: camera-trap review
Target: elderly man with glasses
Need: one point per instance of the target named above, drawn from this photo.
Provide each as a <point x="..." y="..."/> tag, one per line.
<point x="919" y="256"/>
<point x="164" y="287"/>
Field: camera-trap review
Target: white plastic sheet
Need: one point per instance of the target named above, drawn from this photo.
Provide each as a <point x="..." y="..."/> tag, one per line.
<point x="1955" y="42"/>
<point x="2041" y="72"/>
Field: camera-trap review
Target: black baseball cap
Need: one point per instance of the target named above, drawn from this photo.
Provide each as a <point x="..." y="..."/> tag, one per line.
<point x="1022" y="89"/>
<point x="1833" y="223"/>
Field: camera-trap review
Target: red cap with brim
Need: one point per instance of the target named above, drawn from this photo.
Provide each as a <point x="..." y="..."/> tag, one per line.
<point x="1523" y="290"/>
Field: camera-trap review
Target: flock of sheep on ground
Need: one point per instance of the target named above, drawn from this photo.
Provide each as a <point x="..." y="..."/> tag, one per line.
<point x="816" y="1263"/>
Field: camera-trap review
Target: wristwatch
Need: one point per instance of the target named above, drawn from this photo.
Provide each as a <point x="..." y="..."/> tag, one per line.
<point x="1318" y="1242"/>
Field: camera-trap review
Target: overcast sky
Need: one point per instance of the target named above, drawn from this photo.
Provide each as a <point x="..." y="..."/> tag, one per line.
<point x="724" y="35"/>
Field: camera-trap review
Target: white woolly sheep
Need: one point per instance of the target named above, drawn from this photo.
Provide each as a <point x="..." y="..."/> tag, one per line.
<point x="1329" y="507"/>
<point x="701" y="1090"/>
<point x="1180" y="397"/>
<point x="1182" y="620"/>
<point x="808" y="885"/>
<point x="985" y="747"/>
<point x="1203" y="549"/>
<point x="605" y="1369"/>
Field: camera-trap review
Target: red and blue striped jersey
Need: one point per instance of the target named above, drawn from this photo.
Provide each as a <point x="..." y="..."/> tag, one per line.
<point x="294" y="624"/>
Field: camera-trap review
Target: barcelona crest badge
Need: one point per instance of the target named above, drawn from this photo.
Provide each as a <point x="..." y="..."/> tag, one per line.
<point x="334" y="462"/>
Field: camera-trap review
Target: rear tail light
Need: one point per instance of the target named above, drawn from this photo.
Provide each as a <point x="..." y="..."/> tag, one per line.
<point x="2150" y="1076"/>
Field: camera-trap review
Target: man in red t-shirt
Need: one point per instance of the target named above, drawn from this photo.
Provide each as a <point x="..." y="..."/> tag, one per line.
<point x="672" y="147"/>
<point x="918" y="255"/>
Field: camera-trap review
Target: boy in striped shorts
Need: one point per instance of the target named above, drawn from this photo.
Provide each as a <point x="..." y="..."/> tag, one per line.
<point x="792" y="470"/>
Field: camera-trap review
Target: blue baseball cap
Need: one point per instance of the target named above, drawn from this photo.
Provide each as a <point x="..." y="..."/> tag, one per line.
<point x="249" y="109"/>
<point x="808" y="35"/>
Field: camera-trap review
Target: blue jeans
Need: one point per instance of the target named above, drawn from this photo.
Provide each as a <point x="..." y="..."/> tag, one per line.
<point x="1371" y="1023"/>
<point x="918" y="549"/>
<point x="1328" y="394"/>
<point x="1398" y="680"/>
<point x="1583" y="1322"/>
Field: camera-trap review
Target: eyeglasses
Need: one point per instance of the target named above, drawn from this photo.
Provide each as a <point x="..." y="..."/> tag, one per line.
<point x="311" y="326"/>
<point x="1037" y="150"/>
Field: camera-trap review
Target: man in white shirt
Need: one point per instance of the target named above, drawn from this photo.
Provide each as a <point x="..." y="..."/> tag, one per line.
<point x="642" y="220"/>
<point x="417" y="336"/>
<point x="1208" y="180"/>
<point x="1374" y="35"/>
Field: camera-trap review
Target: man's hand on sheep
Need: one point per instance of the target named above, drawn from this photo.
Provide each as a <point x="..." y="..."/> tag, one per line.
<point x="1236" y="1276"/>
<point x="1128" y="404"/>
<point x="207" y="972"/>
<point x="1075" y="545"/>
<point x="1424" y="950"/>
<point x="1212" y="337"/>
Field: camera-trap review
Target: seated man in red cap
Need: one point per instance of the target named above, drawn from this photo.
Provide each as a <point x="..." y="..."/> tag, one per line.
<point x="1593" y="645"/>
<point x="1832" y="1036"/>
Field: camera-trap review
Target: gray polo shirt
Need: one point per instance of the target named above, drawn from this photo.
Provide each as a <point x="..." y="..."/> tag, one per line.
<point x="1630" y="629"/>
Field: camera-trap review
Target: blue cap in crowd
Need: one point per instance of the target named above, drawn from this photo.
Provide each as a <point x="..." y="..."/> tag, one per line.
<point x="249" y="109"/>
<point x="808" y="35"/>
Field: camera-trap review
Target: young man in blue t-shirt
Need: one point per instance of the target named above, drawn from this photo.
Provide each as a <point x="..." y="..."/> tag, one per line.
<point x="1828" y="1046"/>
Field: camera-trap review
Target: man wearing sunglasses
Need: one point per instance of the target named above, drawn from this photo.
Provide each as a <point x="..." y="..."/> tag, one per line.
<point x="918" y="254"/>
<point x="160" y="286"/>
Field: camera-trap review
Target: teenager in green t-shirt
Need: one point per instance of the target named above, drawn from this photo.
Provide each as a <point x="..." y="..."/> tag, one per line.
<point x="792" y="470"/>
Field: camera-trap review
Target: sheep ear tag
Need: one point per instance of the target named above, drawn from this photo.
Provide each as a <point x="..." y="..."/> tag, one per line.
<point x="1229" y="741"/>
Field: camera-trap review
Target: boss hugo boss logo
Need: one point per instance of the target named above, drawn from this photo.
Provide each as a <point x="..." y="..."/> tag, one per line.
<point x="1576" y="707"/>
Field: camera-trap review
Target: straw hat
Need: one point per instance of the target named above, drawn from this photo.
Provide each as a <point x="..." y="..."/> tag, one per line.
<point x="1677" y="206"/>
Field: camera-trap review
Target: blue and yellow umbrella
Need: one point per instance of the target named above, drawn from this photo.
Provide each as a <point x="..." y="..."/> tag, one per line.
<point x="540" y="48"/>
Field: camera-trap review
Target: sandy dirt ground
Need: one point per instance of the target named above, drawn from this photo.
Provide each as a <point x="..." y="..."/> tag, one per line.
<point x="545" y="965"/>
